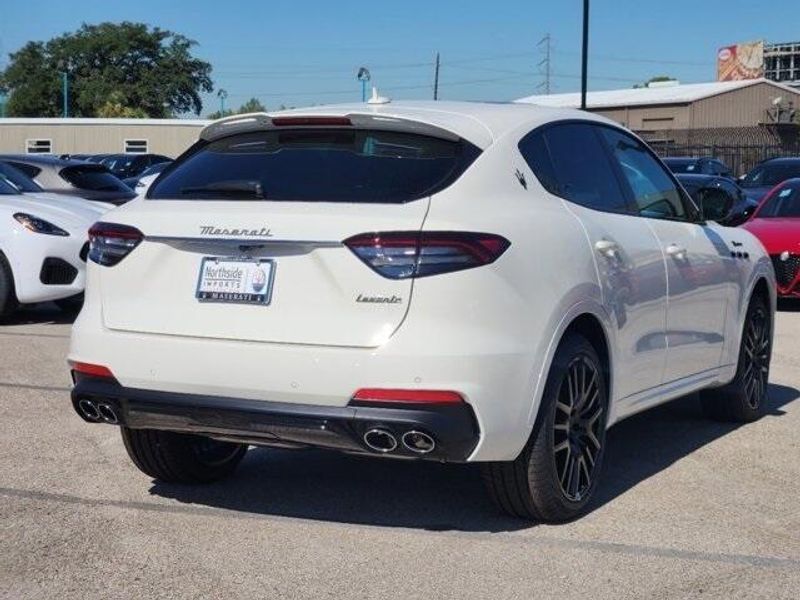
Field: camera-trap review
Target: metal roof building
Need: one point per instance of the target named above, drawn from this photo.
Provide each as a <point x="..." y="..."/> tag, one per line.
<point x="671" y="106"/>
<point x="98" y="136"/>
<point x="740" y="121"/>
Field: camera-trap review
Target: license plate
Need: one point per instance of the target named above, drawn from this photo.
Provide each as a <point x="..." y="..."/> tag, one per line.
<point x="235" y="280"/>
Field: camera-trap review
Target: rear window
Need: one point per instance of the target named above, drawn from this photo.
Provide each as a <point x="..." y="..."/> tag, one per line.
<point x="771" y="174"/>
<point x="29" y="170"/>
<point x="317" y="165"/>
<point x="96" y="179"/>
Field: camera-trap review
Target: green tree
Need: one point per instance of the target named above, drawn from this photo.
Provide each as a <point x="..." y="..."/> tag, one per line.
<point x="149" y="72"/>
<point x="116" y="107"/>
<point x="251" y="106"/>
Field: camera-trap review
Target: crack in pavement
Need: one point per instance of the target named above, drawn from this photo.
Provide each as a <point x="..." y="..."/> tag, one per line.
<point x="509" y="538"/>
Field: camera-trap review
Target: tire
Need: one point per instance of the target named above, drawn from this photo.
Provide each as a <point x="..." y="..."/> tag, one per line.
<point x="540" y="485"/>
<point x="181" y="458"/>
<point x="744" y="399"/>
<point x="8" y="296"/>
<point x="73" y="304"/>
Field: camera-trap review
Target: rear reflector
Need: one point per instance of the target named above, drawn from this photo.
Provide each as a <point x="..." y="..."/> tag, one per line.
<point x="91" y="370"/>
<point x="407" y="254"/>
<point x="109" y="243"/>
<point x="407" y="396"/>
<point x="311" y="121"/>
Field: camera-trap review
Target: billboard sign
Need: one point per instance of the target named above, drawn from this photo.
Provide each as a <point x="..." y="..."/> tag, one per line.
<point x="742" y="61"/>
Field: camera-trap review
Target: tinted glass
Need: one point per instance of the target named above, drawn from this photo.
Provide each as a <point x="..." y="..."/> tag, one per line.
<point x="771" y="174"/>
<point x="653" y="190"/>
<point x="318" y="165"/>
<point x="569" y="160"/>
<point x="16" y="177"/>
<point x="6" y="188"/>
<point x="29" y="170"/>
<point x="784" y="203"/>
<point x="94" y="179"/>
<point x="682" y="165"/>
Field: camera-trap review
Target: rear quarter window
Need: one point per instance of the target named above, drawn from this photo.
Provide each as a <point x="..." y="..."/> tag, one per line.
<point x="317" y="165"/>
<point x="94" y="179"/>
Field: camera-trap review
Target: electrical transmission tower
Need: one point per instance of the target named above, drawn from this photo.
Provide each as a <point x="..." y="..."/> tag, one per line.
<point x="545" y="46"/>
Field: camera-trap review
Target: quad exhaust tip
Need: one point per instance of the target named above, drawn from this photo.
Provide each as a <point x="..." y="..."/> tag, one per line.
<point x="97" y="411"/>
<point x="380" y="440"/>
<point x="418" y="442"/>
<point x="89" y="410"/>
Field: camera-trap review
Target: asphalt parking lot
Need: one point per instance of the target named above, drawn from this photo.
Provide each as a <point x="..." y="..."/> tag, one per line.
<point x="688" y="508"/>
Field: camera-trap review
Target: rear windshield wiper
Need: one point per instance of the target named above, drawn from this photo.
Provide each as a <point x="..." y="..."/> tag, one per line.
<point x="228" y="189"/>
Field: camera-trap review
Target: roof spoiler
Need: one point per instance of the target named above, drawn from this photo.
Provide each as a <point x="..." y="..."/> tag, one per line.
<point x="264" y="122"/>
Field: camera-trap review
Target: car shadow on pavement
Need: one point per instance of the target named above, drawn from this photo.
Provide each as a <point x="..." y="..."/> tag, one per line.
<point x="41" y="314"/>
<point x="394" y="493"/>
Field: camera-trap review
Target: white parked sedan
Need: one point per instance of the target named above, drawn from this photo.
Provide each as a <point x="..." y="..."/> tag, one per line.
<point x="43" y="247"/>
<point x="446" y="281"/>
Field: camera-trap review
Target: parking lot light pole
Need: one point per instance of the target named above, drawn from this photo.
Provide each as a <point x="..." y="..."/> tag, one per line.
<point x="584" y="53"/>
<point x="222" y="94"/>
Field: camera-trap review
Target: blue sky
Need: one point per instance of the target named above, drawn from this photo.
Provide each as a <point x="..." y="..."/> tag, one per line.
<point x="307" y="51"/>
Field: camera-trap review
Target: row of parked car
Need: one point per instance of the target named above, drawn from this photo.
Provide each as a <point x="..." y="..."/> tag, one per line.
<point x="765" y="201"/>
<point x="57" y="198"/>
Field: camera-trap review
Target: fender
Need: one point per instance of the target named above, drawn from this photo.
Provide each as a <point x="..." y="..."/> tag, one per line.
<point x="560" y="321"/>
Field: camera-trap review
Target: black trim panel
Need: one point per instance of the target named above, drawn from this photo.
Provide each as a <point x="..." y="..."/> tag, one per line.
<point x="260" y="423"/>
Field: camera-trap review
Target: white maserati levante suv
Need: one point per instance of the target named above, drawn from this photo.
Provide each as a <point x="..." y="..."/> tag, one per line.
<point x="444" y="281"/>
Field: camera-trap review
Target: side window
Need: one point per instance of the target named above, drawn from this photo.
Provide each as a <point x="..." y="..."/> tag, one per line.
<point x="570" y="161"/>
<point x="654" y="192"/>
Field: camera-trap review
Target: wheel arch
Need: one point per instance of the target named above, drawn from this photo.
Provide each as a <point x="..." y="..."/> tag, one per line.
<point x="591" y="321"/>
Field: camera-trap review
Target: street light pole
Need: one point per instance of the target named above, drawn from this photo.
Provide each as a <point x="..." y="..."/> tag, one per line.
<point x="585" y="53"/>
<point x="65" y="92"/>
<point x="222" y="94"/>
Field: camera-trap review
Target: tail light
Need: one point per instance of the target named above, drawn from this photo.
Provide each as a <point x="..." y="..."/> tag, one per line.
<point x="387" y="395"/>
<point x="109" y="243"/>
<point x="407" y="254"/>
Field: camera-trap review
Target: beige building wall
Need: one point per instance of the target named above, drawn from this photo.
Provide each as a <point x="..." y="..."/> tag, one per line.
<point x="737" y="108"/>
<point x="98" y="136"/>
<point x="744" y="107"/>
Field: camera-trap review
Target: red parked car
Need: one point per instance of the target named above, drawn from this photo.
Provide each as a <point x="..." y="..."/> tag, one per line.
<point x="776" y="223"/>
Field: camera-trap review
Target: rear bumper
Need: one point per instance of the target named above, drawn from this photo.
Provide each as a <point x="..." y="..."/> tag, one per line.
<point x="453" y="427"/>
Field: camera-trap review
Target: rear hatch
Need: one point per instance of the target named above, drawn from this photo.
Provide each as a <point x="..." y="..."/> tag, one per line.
<point x="284" y="200"/>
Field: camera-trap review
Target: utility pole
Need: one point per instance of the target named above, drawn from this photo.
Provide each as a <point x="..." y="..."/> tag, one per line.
<point x="436" y="79"/>
<point x="545" y="45"/>
<point x="585" y="53"/>
<point x="65" y="92"/>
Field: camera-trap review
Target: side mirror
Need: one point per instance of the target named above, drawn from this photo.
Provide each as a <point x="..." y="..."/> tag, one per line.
<point x="715" y="204"/>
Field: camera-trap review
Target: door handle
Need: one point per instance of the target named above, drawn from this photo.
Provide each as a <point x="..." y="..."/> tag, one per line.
<point x="676" y="251"/>
<point x="607" y="248"/>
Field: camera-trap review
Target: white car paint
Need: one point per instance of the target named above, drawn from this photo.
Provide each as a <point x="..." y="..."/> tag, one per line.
<point x="26" y="250"/>
<point x="489" y="333"/>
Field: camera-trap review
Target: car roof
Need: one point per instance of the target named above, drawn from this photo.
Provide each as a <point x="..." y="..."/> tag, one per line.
<point x="683" y="158"/>
<point x="697" y="177"/>
<point x="781" y="160"/>
<point x="42" y="159"/>
<point x="481" y="123"/>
